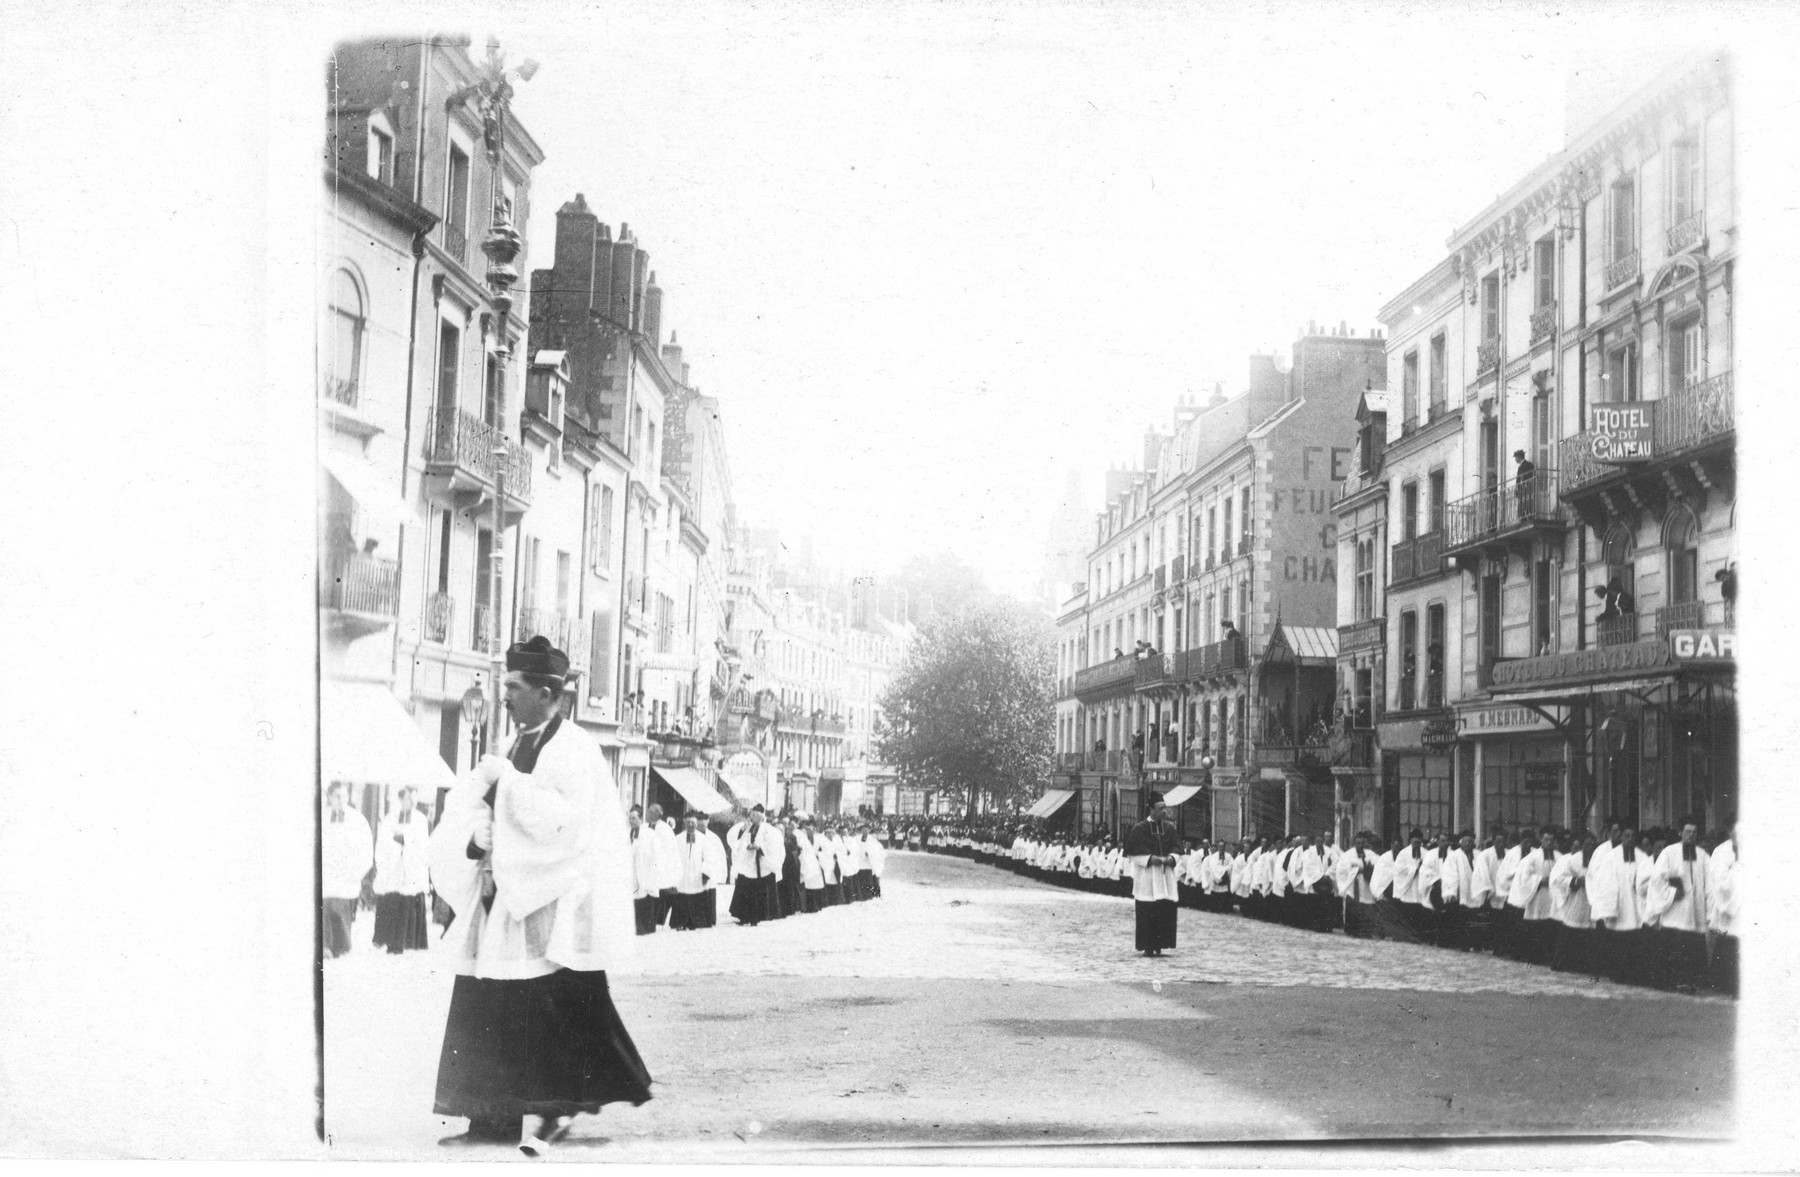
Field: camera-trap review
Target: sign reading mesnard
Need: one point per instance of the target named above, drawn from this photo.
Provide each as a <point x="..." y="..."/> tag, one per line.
<point x="1623" y="431"/>
<point x="1703" y="645"/>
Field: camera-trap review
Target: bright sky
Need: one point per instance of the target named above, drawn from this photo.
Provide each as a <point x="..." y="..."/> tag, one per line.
<point x="933" y="257"/>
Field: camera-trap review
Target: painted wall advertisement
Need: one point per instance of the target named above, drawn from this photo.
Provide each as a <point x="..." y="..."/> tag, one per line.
<point x="1623" y="431"/>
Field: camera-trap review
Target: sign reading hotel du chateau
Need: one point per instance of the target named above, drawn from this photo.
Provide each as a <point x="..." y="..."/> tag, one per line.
<point x="1623" y="431"/>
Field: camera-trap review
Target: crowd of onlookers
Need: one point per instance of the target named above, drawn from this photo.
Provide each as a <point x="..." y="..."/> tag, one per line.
<point x="1658" y="909"/>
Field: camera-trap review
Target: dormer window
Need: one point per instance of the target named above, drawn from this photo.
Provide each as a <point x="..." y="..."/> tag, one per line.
<point x="381" y="149"/>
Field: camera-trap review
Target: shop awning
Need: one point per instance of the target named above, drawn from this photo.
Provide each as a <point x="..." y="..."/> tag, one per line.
<point x="692" y="787"/>
<point x="366" y="737"/>
<point x="1050" y="802"/>
<point x="1552" y="694"/>
<point x="1179" y="795"/>
<point x="377" y="503"/>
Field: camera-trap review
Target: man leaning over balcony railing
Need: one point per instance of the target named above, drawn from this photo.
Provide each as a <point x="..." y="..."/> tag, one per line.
<point x="1524" y="482"/>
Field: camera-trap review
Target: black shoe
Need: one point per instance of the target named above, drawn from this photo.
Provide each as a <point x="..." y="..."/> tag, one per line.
<point x="501" y="1131"/>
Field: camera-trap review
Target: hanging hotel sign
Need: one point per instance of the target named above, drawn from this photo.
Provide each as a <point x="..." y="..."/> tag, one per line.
<point x="1622" y="431"/>
<point x="1705" y="646"/>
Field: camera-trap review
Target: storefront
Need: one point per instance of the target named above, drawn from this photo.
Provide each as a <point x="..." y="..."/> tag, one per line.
<point x="1419" y="782"/>
<point x="1515" y="757"/>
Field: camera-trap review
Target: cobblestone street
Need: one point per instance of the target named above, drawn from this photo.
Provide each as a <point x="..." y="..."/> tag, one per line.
<point x="969" y="1007"/>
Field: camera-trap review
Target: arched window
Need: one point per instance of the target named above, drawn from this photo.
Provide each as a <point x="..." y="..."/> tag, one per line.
<point x="1684" y="558"/>
<point x="343" y="359"/>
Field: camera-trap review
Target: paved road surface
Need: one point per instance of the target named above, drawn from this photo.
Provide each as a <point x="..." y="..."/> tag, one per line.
<point x="969" y="1009"/>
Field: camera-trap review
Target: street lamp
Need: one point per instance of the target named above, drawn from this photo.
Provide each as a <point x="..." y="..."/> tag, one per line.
<point x="474" y="707"/>
<point x="493" y="94"/>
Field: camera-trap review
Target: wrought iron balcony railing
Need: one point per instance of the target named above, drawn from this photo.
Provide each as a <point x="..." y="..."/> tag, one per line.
<point x="364" y="584"/>
<point x="1621" y="270"/>
<point x="1487" y="355"/>
<point x="440" y="614"/>
<point x="1106" y="674"/>
<point x="1694" y="416"/>
<point x="1498" y="511"/>
<point x="1543" y="323"/>
<point x="1698" y="413"/>
<point x="338" y="389"/>
<point x="1687" y="232"/>
<point x="463" y="442"/>
<point x="1158" y="669"/>
<point x="1616" y="631"/>
<point x="1687" y="615"/>
<point x="1419" y="558"/>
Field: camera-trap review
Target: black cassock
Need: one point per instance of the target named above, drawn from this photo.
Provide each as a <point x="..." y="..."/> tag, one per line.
<point x="548" y="1046"/>
<point x="1155" y="917"/>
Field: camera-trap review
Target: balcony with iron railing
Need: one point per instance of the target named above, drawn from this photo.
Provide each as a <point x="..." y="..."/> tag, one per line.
<point x="1159" y="670"/>
<point x="1215" y="659"/>
<point x="1487" y="356"/>
<point x="1694" y="419"/>
<point x="364" y="590"/>
<point x="1686" y="615"/>
<point x="440" y="615"/>
<point x="1687" y="232"/>
<point x="339" y="390"/>
<point x="1419" y="558"/>
<point x="461" y="446"/>
<point x="1616" y="631"/>
<point x="1500" y="516"/>
<point x="1543" y="323"/>
<point x="1621" y="270"/>
<point x="1104" y="761"/>
<point x="1109" y="675"/>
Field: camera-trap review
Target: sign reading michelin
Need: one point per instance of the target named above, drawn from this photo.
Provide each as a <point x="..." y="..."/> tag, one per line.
<point x="1623" y="431"/>
<point x="1703" y="645"/>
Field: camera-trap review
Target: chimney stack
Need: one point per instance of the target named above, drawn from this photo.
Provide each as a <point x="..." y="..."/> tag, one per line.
<point x="653" y="311"/>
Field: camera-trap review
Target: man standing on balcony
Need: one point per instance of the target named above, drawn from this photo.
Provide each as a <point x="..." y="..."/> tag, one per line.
<point x="532" y="854"/>
<point x="1523" y="482"/>
<point x="1151" y="847"/>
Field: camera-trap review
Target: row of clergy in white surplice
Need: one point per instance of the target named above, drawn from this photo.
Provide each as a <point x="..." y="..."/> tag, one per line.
<point x="1671" y="891"/>
<point x="691" y="861"/>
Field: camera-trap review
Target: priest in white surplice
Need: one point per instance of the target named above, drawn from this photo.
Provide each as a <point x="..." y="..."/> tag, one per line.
<point x="1352" y="874"/>
<point x="347" y="851"/>
<point x="1722" y="911"/>
<point x="1531" y="895"/>
<point x="1152" y="848"/>
<point x="532" y="855"/>
<point x="700" y="862"/>
<point x="1574" y="952"/>
<point x="1409" y="895"/>
<point x="1676" y="901"/>
<point x="402" y="876"/>
<point x="756" y="855"/>
<point x="1615" y="904"/>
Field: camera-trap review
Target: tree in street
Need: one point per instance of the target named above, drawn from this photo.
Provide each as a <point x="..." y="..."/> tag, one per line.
<point x="970" y="709"/>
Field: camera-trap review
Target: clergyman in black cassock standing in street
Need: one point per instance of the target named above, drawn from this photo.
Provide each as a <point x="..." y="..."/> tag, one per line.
<point x="533" y="856"/>
<point x="1151" y="847"/>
